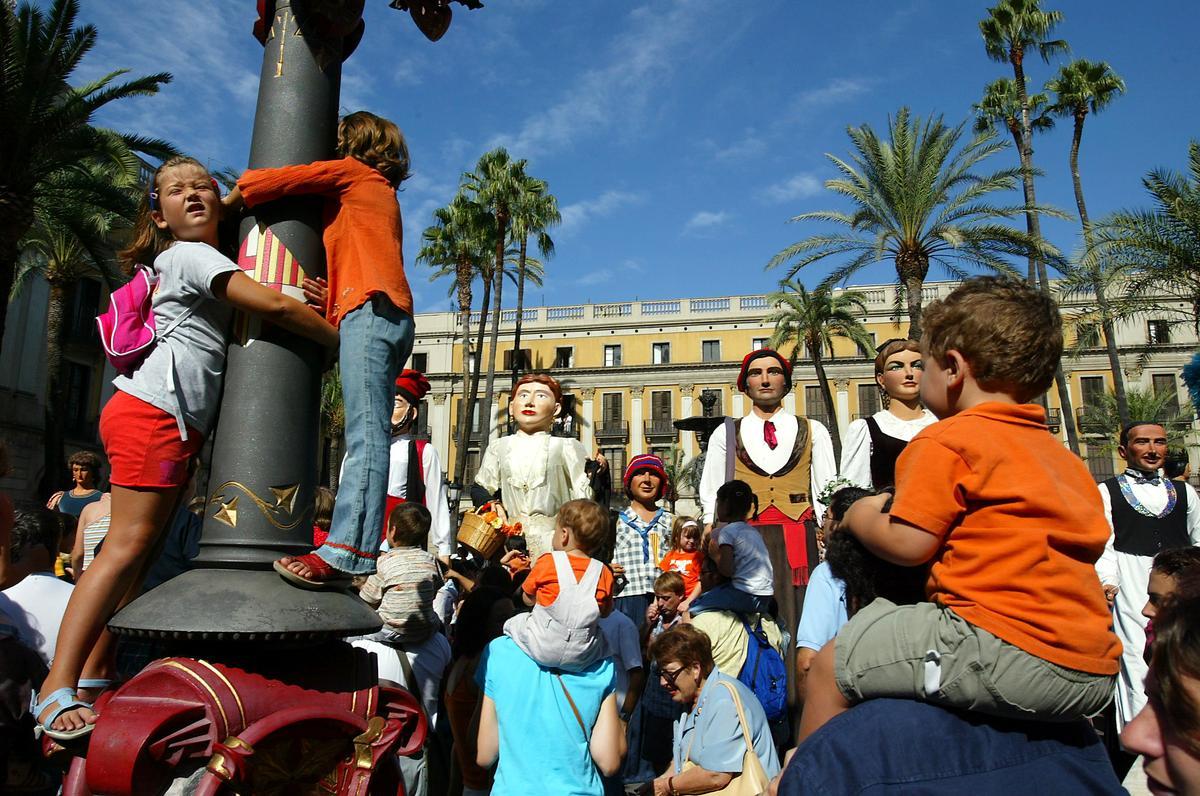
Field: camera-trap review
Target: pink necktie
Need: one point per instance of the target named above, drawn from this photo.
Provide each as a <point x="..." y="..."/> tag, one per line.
<point x="769" y="435"/>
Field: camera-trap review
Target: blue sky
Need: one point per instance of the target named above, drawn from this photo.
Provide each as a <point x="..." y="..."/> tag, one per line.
<point x="678" y="135"/>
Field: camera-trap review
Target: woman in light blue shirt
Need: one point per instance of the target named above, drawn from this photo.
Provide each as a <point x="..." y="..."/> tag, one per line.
<point x="709" y="734"/>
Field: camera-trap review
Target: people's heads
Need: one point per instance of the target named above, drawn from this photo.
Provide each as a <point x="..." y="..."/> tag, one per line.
<point x="376" y="142"/>
<point x="844" y="498"/>
<point x="684" y="658"/>
<point x="709" y="574"/>
<point x="494" y="576"/>
<point x="323" y="500"/>
<point x="669" y="591"/>
<point x="898" y="368"/>
<point x="1143" y="445"/>
<point x="1177" y="465"/>
<point x="411" y="388"/>
<point x="480" y="619"/>
<point x="581" y="525"/>
<point x="736" y="501"/>
<point x="1002" y="333"/>
<point x="685" y="534"/>
<point x="1168" y="567"/>
<point x="181" y="203"/>
<point x="408" y="525"/>
<point x="535" y="401"/>
<point x="35" y="537"/>
<point x="85" y="469"/>
<point x="1167" y="731"/>
<point x="645" y="479"/>
<point x="766" y="376"/>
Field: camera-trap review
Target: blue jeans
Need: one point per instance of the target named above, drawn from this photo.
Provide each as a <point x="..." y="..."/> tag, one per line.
<point x="726" y="597"/>
<point x="376" y="340"/>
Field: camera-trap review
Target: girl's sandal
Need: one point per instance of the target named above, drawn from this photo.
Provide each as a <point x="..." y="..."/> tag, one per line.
<point x="62" y="700"/>
<point x="322" y="575"/>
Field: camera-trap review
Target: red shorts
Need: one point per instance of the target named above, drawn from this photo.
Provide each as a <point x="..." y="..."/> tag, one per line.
<point x="143" y="445"/>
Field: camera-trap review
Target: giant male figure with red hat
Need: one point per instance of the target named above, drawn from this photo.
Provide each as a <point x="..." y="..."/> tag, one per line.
<point x="414" y="468"/>
<point x="786" y="460"/>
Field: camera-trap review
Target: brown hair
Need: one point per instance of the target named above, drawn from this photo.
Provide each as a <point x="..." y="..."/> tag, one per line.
<point x="148" y="240"/>
<point x="86" y="460"/>
<point x="409" y="524"/>
<point x="1177" y="660"/>
<point x="376" y="142"/>
<point x="1008" y="331"/>
<point x="686" y="645"/>
<point x="538" y="378"/>
<point x="588" y="522"/>
<point x="677" y="530"/>
<point x="323" y="500"/>
<point x="891" y="348"/>
<point x="670" y="581"/>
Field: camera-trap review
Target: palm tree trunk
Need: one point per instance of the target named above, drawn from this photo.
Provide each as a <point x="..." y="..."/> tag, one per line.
<point x="520" y="312"/>
<point x="1106" y="324"/>
<point x="53" y="447"/>
<point x="335" y="460"/>
<point x="462" y="433"/>
<point x="485" y="411"/>
<point x="476" y="363"/>
<point x="1037" y="268"/>
<point x="913" y="288"/>
<point x="814" y="351"/>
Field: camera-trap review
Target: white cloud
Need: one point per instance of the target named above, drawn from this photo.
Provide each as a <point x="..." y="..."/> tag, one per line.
<point x="706" y="220"/>
<point x="837" y="90"/>
<point x="748" y="146"/>
<point x="799" y="187"/>
<point x="576" y="214"/>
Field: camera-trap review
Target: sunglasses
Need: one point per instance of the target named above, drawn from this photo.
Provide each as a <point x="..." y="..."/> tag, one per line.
<point x="670" y="677"/>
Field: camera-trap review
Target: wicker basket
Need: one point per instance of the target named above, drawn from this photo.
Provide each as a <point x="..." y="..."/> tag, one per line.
<point x="477" y="534"/>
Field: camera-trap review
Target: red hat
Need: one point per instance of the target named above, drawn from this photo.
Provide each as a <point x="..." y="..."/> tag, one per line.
<point x="412" y="384"/>
<point x="758" y="354"/>
<point x="646" y="461"/>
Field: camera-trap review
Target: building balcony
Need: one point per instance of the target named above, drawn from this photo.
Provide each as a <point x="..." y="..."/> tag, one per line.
<point x="613" y="430"/>
<point x="1090" y="420"/>
<point x="1054" y="420"/>
<point x="661" y="428"/>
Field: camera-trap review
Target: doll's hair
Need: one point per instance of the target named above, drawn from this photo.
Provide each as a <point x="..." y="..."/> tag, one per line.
<point x="538" y="378"/>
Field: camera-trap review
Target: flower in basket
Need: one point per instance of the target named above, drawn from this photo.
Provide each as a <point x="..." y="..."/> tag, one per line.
<point x="512" y="530"/>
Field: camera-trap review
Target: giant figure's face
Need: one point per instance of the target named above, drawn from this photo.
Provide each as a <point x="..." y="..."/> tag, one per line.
<point x="766" y="382"/>
<point x="533" y="407"/>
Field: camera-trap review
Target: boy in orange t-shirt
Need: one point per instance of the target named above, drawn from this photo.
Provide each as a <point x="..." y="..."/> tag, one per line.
<point x="1009" y="522"/>
<point x="569" y="591"/>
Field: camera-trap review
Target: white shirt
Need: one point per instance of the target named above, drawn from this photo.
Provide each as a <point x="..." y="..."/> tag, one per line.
<point x="823" y="467"/>
<point x="752" y="571"/>
<point x="37" y="605"/>
<point x="856" y="448"/>
<point x="625" y="648"/>
<point x="429" y="661"/>
<point x="535" y="473"/>
<point x="1154" y="498"/>
<point x="435" y="488"/>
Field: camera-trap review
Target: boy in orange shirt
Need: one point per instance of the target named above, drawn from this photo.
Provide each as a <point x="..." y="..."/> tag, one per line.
<point x="569" y="591"/>
<point x="1008" y="519"/>
<point x="369" y="300"/>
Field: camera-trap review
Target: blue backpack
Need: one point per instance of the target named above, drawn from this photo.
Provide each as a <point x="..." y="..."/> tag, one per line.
<point x="764" y="672"/>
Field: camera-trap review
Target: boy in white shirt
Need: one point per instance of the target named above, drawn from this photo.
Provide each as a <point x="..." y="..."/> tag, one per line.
<point x="741" y="556"/>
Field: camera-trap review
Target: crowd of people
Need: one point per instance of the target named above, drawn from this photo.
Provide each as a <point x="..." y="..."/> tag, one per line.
<point x="959" y="609"/>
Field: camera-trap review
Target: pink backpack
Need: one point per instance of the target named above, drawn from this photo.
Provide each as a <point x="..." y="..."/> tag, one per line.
<point x="127" y="327"/>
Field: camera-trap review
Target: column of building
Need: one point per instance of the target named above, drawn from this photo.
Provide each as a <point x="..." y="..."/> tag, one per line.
<point x="685" y="410"/>
<point x="587" y="430"/>
<point x="637" y="427"/>
<point x="439" y="426"/>
<point x="842" y="403"/>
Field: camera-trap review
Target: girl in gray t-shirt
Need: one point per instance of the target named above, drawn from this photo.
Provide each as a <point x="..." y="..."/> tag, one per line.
<point x="154" y="424"/>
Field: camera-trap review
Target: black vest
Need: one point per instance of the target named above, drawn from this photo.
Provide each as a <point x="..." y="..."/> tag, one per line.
<point x="1139" y="535"/>
<point x="885" y="450"/>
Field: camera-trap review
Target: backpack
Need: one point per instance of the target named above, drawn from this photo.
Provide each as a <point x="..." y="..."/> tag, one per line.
<point x="764" y="672"/>
<point x="127" y="327"/>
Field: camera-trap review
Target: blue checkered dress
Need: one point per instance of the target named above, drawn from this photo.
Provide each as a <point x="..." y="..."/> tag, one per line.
<point x="640" y="558"/>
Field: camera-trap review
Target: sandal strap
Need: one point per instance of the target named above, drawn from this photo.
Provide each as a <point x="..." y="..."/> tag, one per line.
<point x="94" y="683"/>
<point x="64" y="699"/>
<point x="320" y="568"/>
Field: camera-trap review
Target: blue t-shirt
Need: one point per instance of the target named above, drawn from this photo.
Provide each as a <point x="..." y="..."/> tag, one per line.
<point x="541" y="742"/>
<point x="710" y="735"/>
<point x="824" y="610"/>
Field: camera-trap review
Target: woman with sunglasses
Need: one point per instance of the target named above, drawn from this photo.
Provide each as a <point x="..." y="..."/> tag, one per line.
<point x="710" y="737"/>
<point x="874" y="443"/>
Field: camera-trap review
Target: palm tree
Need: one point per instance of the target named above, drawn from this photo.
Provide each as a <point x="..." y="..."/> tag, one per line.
<point x="1011" y="30"/>
<point x="1155" y="249"/>
<point x="1153" y="407"/>
<point x="45" y="123"/>
<point x="809" y="322"/>
<point x="535" y="211"/>
<point x="915" y="202"/>
<point x="458" y="244"/>
<point x="333" y="421"/>
<point x="1000" y="105"/>
<point x="496" y="185"/>
<point x="1083" y="87"/>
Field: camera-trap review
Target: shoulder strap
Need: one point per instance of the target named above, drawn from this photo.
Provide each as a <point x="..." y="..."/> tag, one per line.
<point x="410" y="679"/>
<point x="180" y="318"/>
<point x="574" y="709"/>
<point x="737" y="703"/>
<point x="731" y="431"/>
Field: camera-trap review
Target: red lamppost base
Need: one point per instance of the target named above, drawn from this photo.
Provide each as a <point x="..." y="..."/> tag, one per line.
<point x="320" y="725"/>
